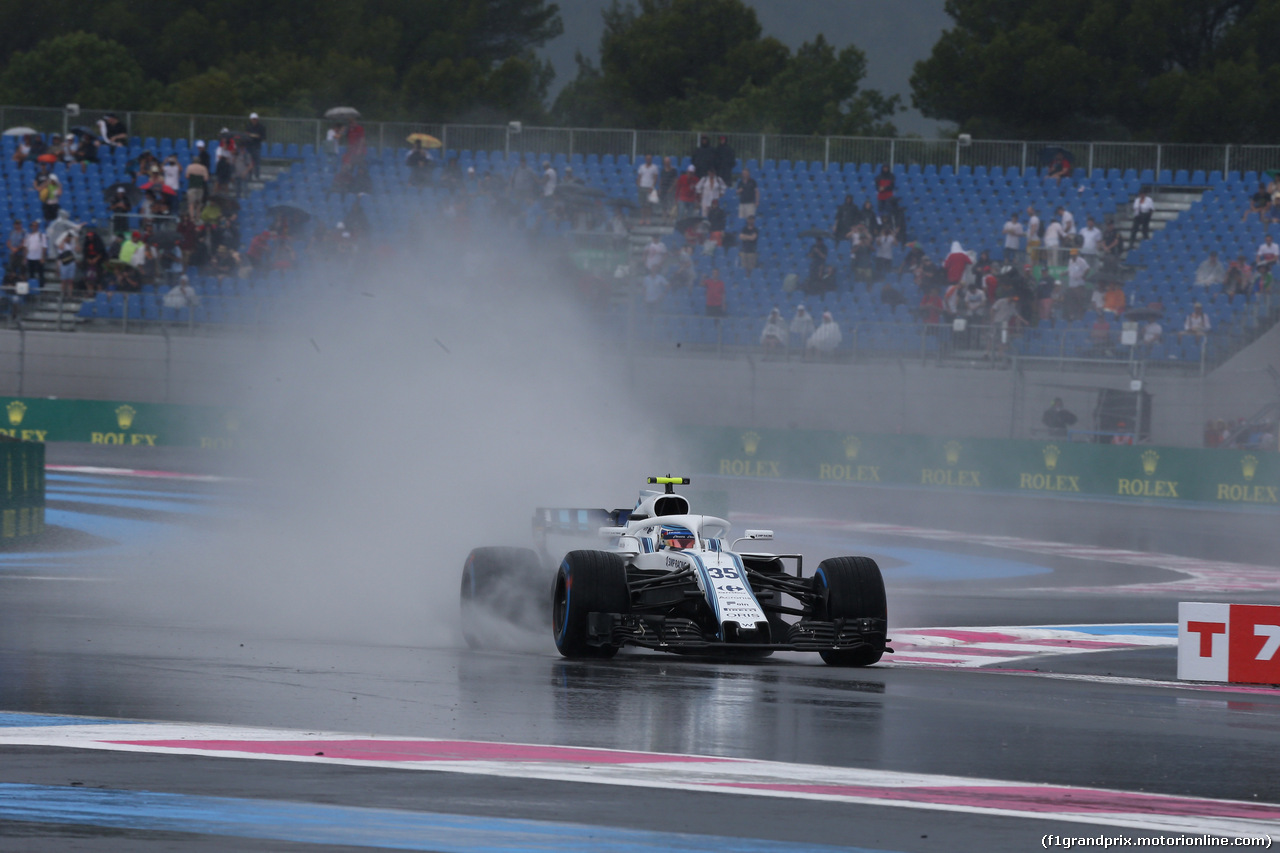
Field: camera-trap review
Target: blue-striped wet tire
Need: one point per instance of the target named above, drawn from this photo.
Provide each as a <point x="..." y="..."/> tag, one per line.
<point x="587" y="582"/>
<point x="851" y="588"/>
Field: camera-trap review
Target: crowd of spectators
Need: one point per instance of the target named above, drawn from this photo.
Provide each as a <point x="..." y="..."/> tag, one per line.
<point x="1242" y="433"/>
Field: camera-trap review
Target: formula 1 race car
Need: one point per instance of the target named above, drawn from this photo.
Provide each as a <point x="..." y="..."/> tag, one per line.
<point x="670" y="580"/>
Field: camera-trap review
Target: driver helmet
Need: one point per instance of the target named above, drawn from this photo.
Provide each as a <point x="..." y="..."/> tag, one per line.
<point x="677" y="538"/>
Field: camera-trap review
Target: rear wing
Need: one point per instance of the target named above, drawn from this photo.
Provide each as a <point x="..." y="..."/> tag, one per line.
<point x="576" y="522"/>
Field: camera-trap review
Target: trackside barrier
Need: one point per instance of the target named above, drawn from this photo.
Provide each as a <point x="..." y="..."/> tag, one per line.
<point x="41" y="419"/>
<point x="1057" y="466"/>
<point x="21" y="489"/>
<point x="1239" y="643"/>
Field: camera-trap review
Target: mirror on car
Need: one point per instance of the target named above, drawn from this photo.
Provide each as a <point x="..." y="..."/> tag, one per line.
<point x="758" y="535"/>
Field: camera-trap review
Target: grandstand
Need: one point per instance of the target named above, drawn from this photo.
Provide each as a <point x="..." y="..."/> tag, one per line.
<point x="942" y="204"/>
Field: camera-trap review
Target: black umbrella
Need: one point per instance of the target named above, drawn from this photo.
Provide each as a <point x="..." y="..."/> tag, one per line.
<point x="342" y="113"/>
<point x="292" y="214"/>
<point x="237" y="135"/>
<point x="163" y="239"/>
<point x="131" y="190"/>
<point x="690" y="222"/>
<point x="815" y="234"/>
<point x="81" y="130"/>
<point x="1048" y="152"/>
<point x="1143" y="314"/>
<point x="622" y="201"/>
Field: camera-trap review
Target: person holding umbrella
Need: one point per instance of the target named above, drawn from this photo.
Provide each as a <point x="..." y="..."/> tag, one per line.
<point x="418" y="161"/>
<point x="257" y="136"/>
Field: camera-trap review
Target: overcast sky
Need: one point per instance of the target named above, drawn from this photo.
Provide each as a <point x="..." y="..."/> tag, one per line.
<point x="894" y="34"/>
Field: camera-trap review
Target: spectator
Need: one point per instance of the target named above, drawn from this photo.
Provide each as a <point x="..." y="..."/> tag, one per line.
<point x="666" y="186"/>
<point x="912" y="261"/>
<point x="1058" y="418"/>
<point x="748" y="195"/>
<point x="224" y="169"/>
<point x="1013" y="234"/>
<point x="655" y="254"/>
<point x="15" y="244"/>
<point x="1259" y="202"/>
<point x="1059" y="167"/>
<point x="1068" y="221"/>
<point x="710" y="188"/>
<point x="817" y="256"/>
<point x="884" y="252"/>
<point x="871" y="219"/>
<point x="683" y="273"/>
<point x="748" y="244"/>
<point x="49" y="188"/>
<point x="655" y="288"/>
<point x="774" y="336"/>
<point x="1113" y="299"/>
<point x="1152" y="332"/>
<point x="1045" y="292"/>
<point x="253" y="145"/>
<point x="1035" y="232"/>
<point x="847" y="215"/>
<point x="930" y="310"/>
<point x="1268" y="254"/>
<point x="861" y="253"/>
<point x="418" y="162"/>
<point x="687" y="194"/>
<point x="975" y="302"/>
<point x="704" y="158"/>
<point x="714" y="287"/>
<point x="956" y="262"/>
<point x="1197" y="323"/>
<point x="113" y="130"/>
<point x="647" y="174"/>
<point x="1211" y="272"/>
<point x="524" y="183"/>
<point x="181" y="295"/>
<point x="717" y="220"/>
<point x="889" y="294"/>
<point x="1053" y="243"/>
<point x="1077" y="296"/>
<point x="1239" y="277"/>
<point x="1091" y="241"/>
<point x="885" y="185"/>
<point x="572" y="180"/>
<point x="549" y="180"/>
<point x="1112" y="245"/>
<point x="35" y="244"/>
<point x="825" y="338"/>
<point x="825" y="282"/>
<point x="65" y="249"/>
<point x="94" y="255"/>
<point x="1143" y="209"/>
<point x="724" y="159"/>
<point x="130" y="247"/>
<point x="801" y="325"/>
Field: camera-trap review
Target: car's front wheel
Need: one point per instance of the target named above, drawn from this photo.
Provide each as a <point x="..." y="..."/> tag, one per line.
<point x="851" y="588"/>
<point x="587" y="582"/>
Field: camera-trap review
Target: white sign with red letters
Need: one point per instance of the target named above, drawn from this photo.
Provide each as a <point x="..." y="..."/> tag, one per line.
<point x="1238" y="643"/>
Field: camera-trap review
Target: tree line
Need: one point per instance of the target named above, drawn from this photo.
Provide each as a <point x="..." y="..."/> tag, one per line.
<point x="1168" y="70"/>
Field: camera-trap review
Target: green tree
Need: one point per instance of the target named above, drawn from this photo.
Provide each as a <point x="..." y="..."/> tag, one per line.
<point x="684" y="64"/>
<point x="77" y="68"/>
<point x="1174" y="70"/>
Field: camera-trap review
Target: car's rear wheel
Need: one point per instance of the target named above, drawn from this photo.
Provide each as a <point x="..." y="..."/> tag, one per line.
<point x="587" y="582"/>
<point x="508" y="584"/>
<point x="851" y="588"/>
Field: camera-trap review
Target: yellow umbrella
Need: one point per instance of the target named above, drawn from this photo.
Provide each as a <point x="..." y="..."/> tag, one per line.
<point x="427" y="140"/>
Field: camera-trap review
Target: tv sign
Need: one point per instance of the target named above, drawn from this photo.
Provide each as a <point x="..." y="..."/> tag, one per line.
<point x="1239" y="643"/>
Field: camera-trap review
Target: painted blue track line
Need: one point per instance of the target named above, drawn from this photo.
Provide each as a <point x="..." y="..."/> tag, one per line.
<point x="365" y="827"/>
<point x="15" y="720"/>
<point x="62" y="489"/>
<point x="1169" y="629"/>
<point x="128" y="503"/>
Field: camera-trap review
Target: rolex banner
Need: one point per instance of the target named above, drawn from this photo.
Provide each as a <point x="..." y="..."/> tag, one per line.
<point x="1060" y="467"/>
<point x="44" y="419"/>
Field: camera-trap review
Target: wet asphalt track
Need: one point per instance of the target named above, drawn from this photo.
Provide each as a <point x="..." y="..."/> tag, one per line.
<point x="59" y="659"/>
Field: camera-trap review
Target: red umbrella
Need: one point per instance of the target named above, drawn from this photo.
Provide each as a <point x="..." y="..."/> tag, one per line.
<point x="159" y="185"/>
<point x="47" y="158"/>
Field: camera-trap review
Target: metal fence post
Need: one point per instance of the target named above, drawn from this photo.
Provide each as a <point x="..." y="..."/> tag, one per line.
<point x="762" y="139"/>
<point x="1023" y="170"/>
<point x="1226" y="161"/>
<point x="957" y="156"/>
<point x="1090" y="173"/>
<point x="892" y="152"/>
<point x="635" y="142"/>
<point x="826" y="154"/>
<point x="1159" y="154"/>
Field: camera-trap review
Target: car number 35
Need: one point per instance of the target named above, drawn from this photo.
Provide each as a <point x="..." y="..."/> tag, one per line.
<point x="722" y="573"/>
